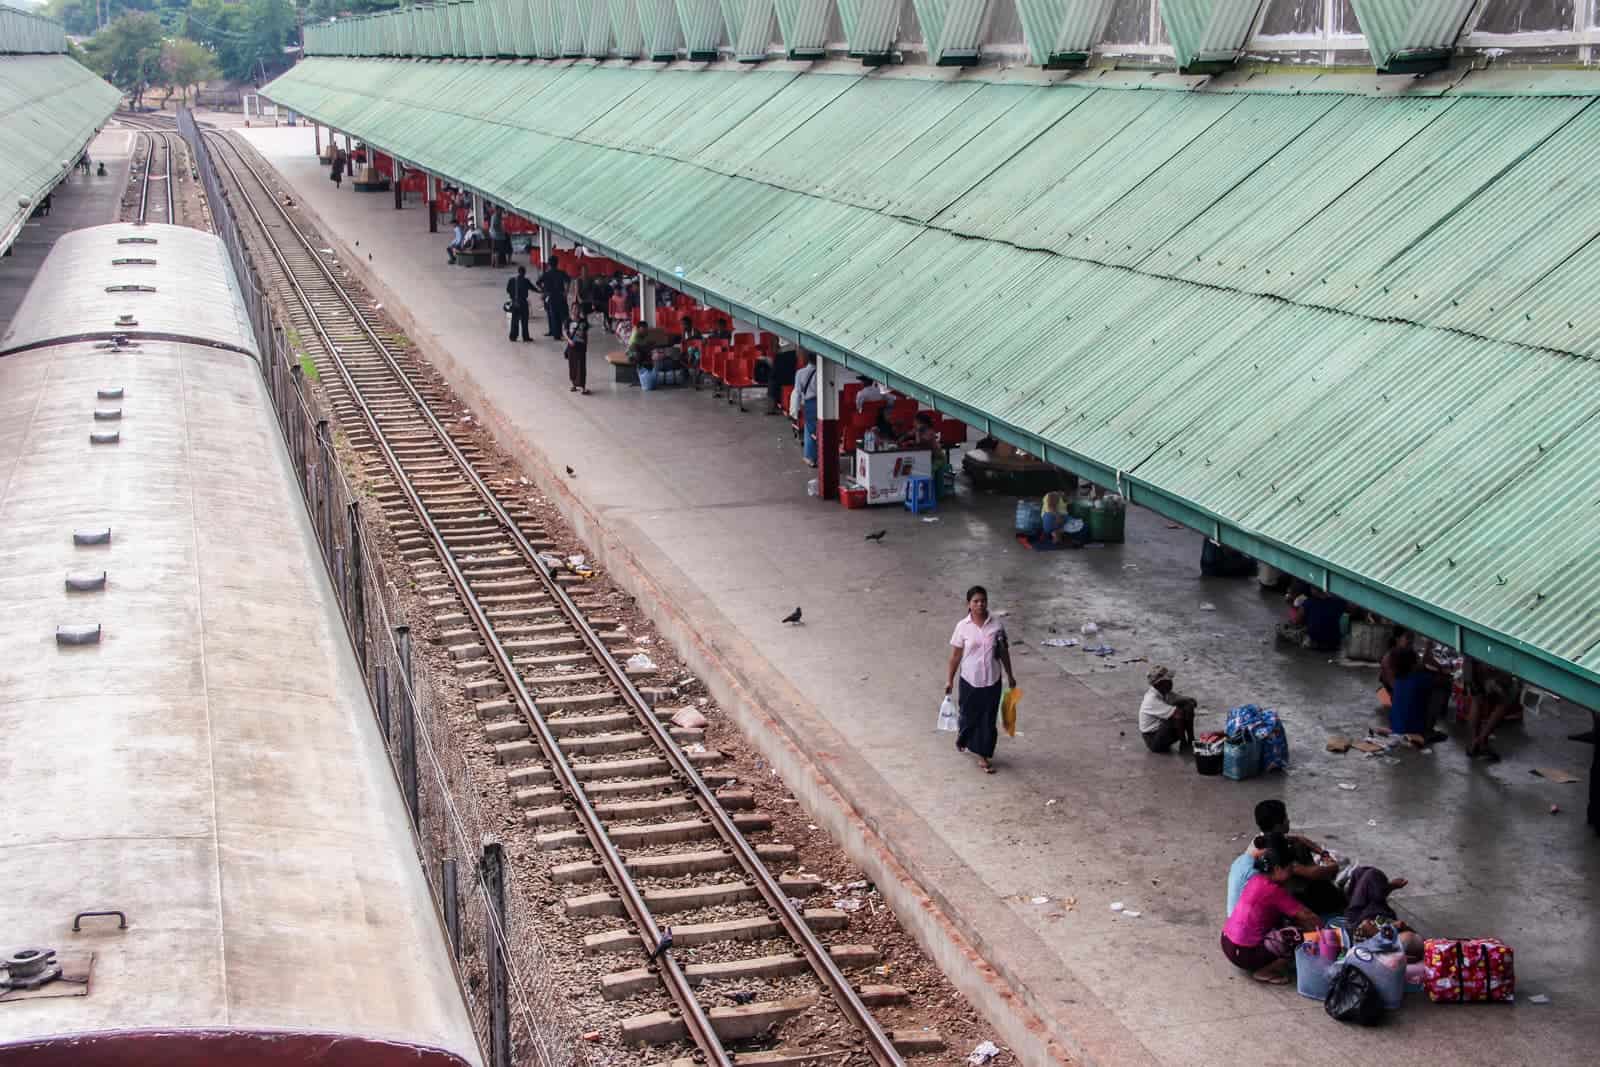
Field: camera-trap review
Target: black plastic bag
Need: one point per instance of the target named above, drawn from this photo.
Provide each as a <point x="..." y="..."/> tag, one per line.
<point x="1353" y="998"/>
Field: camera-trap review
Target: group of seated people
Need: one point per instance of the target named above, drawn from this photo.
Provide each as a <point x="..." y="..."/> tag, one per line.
<point x="1284" y="886"/>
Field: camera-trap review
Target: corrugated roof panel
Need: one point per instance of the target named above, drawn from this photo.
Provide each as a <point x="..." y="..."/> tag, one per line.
<point x="658" y="20"/>
<point x="1177" y="191"/>
<point x="836" y="150"/>
<point x="625" y="29"/>
<point x="869" y="25"/>
<point x="1208" y="30"/>
<point x="779" y="115"/>
<point x="1242" y="235"/>
<point x="572" y="25"/>
<point x="952" y="28"/>
<point x="1062" y="27"/>
<point x="595" y="16"/>
<point x="49" y="109"/>
<point x="804" y="25"/>
<point x="1345" y="433"/>
<point x="752" y="37"/>
<point x="1394" y="27"/>
<point x="956" y="152"/>
<point x="1103" y="165"/>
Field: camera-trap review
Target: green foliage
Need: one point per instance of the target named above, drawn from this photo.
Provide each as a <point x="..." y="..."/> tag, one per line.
<point x="127" y="54"/>
<point x="185" y="64"/>
<point x="248" y="38"/>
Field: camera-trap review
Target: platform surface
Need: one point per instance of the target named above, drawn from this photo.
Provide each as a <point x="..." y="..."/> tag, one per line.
<point x="712" y="502"/>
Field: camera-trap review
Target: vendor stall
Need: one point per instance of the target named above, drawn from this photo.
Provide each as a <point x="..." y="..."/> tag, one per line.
<point x="884" y="474"/>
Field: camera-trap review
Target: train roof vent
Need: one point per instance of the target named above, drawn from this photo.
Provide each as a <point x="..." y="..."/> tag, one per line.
<point x="93" y="535"/>
<point x="86" y="582"/>
<point x="110" y="392"/>
<point x="130" y="288"/>
<point x="127" y="320"/>
<point x="37" y="973"/>
<point x="105" y="437"/>
<point x="133" y="261"/>
<point x="107" y="414"/>
<point x="81" y="633"/>
<point x="137" y="241"/>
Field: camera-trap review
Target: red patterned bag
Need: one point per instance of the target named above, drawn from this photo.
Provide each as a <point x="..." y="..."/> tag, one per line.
<point x="1459" y="972"/>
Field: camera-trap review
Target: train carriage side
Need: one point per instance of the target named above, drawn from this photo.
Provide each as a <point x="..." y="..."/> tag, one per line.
<point x="188" y="742"/>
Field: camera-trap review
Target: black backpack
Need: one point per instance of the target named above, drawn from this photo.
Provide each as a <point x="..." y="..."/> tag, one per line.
<point x="1353" y="998"/>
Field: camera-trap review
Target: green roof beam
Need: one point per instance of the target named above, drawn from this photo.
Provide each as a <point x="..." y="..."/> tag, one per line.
<point x="804" y="25"/>
<point x="952" y="29"/>
<point x="870" y="26"/>
<point x="1063" y="33"/>
<point x="658" y="22"/>
<point x="596" y="20"/>
<point x="1411" y="36"/>
<point x="1208" y="35"/>
<point x="749" y="28"/>
<point x="701" y="21"/>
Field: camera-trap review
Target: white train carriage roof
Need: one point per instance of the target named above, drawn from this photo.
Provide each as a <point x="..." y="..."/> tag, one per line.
<point x="209" y="766"/>
<point x="128" y="279"/>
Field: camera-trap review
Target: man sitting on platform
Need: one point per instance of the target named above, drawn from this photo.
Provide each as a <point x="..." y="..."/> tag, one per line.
<point x="1164" y="716"/>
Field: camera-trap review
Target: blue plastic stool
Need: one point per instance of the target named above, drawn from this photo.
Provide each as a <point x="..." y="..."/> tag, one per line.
<point x="919" y="495"/>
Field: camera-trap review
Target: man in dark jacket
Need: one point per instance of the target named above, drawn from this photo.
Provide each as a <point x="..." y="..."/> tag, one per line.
<point x="519" y="290"/>
<point x="553" y="287"/>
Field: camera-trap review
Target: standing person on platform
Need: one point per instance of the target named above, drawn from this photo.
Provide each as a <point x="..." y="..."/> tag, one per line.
<point x="519" y="291"/>
<point x="553" y="286"/>
<point x="577" y="353"/>
<point x="805" y="387"/>
<point x="340" y="161"/>
<point x="978" y="651"/>
<point x="499" y="242"/>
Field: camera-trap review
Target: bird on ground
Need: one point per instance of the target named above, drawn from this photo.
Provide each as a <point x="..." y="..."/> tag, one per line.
<point x="663" y="943"/>
<point x="571" y="473"/>
<point x="793" y="616"/>
<point x="875" y="536"/>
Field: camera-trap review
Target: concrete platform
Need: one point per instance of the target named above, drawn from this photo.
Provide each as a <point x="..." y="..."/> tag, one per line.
<point x="702" y="511"/>
<point x="78" y="202"/>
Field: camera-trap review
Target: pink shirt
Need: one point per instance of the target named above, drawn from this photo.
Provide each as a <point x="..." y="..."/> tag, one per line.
<point x="1263" y="907"/>
<point x="979" y="667"/>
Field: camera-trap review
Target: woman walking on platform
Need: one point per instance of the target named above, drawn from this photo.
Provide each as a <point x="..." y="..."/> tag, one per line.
<point x="978" y="651"/>
<point x="578" y="355"/>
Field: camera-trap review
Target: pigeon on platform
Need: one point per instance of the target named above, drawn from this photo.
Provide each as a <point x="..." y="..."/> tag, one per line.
<point x="875" y="536"/>
<point x="663" y="943"/>
<point x="571" y="473"/>
<point x="793" y="616"/>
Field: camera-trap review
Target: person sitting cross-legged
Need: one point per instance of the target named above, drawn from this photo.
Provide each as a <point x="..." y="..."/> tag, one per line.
<point x="1165" y="717"/>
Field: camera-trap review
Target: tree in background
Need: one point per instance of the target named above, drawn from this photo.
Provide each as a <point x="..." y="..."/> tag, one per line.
<point x="127" y="54"/>
<point x="246" y="37"/>
<point x="185" y="64"/>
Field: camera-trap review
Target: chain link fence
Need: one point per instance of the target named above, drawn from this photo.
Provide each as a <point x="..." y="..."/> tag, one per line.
<point x="518" y="1011"/>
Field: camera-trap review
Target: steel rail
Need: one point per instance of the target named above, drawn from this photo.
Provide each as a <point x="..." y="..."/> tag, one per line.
<point x="172" y="208"/>
<point x="673" y="977"/>
<point x="144" y="183"/>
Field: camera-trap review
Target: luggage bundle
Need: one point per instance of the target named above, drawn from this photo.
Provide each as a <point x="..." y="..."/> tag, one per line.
<point x="1477" y="970"/>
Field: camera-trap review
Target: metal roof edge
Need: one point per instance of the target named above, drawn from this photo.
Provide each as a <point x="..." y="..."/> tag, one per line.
<point x="1456" y="81"/>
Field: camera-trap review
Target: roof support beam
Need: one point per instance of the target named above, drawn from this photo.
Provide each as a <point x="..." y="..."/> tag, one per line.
<point x="544" y="27"/>
<point x="1411" y="36"/>
<point x="572" y="34"/>
<point x="625" y="27"/>
<point x="1208" y="35"/>
<point x="1063" y="33"/>
<point x="596" y="20"/>
<point x="702" y="28"/>
<point x="749" y="28"/>
<point x="870" y="27"/>
<point x="658" y="22"/>
<point x="952" y="30"/>
<point x="804" y="24"/>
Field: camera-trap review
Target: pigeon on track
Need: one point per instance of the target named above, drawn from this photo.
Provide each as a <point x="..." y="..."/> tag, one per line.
<point x="792" y="617"/>
<point x="876" y="536"/>
<point x="571" y="473"/>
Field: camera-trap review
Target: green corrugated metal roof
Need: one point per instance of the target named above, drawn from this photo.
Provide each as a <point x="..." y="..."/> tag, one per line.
<point x="1395" y="27"/>
<point x="1353" y="334"/>
<point x="49" y="109"/>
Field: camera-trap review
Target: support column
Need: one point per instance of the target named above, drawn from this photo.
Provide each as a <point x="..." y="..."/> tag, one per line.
<point x="397" y="173"/>
<point x="547" y="247"/>
<point x="647" y="301"/>
<point x="433" y="204"/>
<point x="827" y="428"/>
<point x="477" y="209"/>
<point x="316" y="134"/>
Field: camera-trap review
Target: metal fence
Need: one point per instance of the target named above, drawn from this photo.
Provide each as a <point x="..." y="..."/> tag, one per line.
<point x="517" y="1008"/>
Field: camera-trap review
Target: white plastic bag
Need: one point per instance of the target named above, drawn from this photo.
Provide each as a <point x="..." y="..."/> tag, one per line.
<point x="948" y="716"/>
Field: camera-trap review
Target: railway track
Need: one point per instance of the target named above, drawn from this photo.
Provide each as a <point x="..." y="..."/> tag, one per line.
<point x="159" y="136"/>
<point x="639" y="823"/>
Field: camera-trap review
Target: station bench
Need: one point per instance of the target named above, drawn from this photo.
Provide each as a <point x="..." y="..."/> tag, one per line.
<point x="377" y="185"/>
<point x="625" y="373"/>
<point x="479" y="257"/>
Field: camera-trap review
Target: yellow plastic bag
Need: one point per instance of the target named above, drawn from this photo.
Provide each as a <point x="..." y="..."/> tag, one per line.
<point x="1008" y="711"/>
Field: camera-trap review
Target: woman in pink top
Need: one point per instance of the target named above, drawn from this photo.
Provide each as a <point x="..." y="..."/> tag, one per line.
<point x="1253" y="938"/>
<point x="978" y="651"/>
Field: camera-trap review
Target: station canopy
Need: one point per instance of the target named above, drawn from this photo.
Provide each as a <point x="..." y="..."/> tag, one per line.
<point x="1344" y="323"/>
<point x="50" y="108"/>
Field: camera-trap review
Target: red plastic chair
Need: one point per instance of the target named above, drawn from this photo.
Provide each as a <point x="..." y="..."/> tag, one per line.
<point x="744" y="340"/>
<point x="740" y="374"/>
<point x="847" y="396"/>
<point x="768" y="344"/>
<point x="712" y="355"/>
<point x="952" y="432"/>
